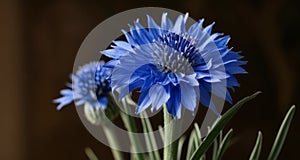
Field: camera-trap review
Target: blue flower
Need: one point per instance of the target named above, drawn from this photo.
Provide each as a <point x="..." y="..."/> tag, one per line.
<point x="90" y="85"/>
<point x="174" y="65"/>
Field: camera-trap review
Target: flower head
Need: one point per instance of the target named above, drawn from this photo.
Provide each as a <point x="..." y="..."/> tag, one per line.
<point x="90" y="85"/>
<point x="174" y="65"/>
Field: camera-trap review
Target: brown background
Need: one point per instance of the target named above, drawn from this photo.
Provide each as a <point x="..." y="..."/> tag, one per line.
<point x="39" y="41"/>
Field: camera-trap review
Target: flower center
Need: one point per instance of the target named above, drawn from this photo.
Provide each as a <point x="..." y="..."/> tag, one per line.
<point x="172" y="53"/>
<point x="170" y="60"/>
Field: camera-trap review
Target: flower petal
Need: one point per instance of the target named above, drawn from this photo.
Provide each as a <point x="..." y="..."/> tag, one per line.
<point x="174" y="102"/>
<point x="123" y="45"/>
<point x="179" y="26"/>
<point x="158" y="96"/>
<point x="153" y="27"/>
<point x="114" y="53"/>
<point x="188" y="96"/>
<point x="166" y="23"/>
<point x="143" y="102"/>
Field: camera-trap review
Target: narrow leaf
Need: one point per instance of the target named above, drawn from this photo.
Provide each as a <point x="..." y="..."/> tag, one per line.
<point x="215" y="149"/>
<point x="150" y="139"/>
<point x="281" y="135"/>
<point x="131" y="127"/>
<point x="180" y="144"/>
<point x="198" y="133"/>
<point x="221" y="137"/>
<point x="191" y="144"/>
<point x="256" y="150"/>
<point x="219" y="126"/>
<point x="224" y="144"/>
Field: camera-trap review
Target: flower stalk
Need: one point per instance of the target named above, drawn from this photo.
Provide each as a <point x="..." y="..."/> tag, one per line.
<point x="171" y="148"/>
<point x="111" y="138"/>
<point x="131" y="127"/>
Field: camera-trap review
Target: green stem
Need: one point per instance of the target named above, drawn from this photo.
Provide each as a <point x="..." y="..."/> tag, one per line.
<point x="149" y="137"/>
<point x="170" y="151"/>
<point x="131" y="127"/>
<point x="113" y="142"/>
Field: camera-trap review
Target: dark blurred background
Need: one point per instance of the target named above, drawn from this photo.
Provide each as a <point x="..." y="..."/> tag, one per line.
<point x="39" y="41"/>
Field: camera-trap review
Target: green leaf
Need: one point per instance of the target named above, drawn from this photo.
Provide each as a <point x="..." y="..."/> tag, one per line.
<point x="256" y="150"/>
<point x="131" y="127"/>
<point x="199" y="138"/>
<point x="281" y="135"/>
<point x="198" y="133"/>
<point x="215" y="149"/>
<point x="180" y="144"/>
<point x="224" y="144"/>
<point x="150" y="139"/>
<point x="192" y="144"/>
<point x="194" y="141"/>
<point x="219" y="126"/>
<point x="221" y="137"/>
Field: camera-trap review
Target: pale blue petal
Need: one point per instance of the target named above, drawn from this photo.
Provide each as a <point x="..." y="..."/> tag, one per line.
<point x="143" y="33"/>
<point x="188" y="96"/>
<point x="122" y="44"/>
<point x="63" y="101"/>
<point x="158" y="96"/>
<point x="143" y="102"/>
<point x="189" y="79"/>
<point x="135" y="35"/>
<point x="111" y="64"/>
<point x="208" y="29"/>
<point x="129" y="38"/>
<point x="201" y="75"/>
<point x="80" y="102"/>
<point x="186" y="16"/>
<point x="166" y="23"/>
<point x="114" y="53"/>
<point x="222" y="41"/>
<point x="66" y="92"/>
<point x="179" y="26"/>
<point x="153" y="27"/>
<point x="196" y="29"/>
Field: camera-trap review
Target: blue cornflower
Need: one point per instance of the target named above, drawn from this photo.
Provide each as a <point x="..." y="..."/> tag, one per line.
<point x="173" y="65"/>
<point x="90" y="84"/>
